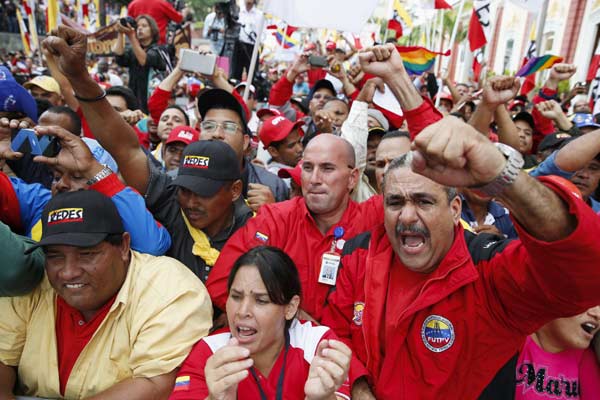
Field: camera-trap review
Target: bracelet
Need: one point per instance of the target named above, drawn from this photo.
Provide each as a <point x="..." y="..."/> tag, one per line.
<point x="104" y="173"/>
<point x="103" y="95"/>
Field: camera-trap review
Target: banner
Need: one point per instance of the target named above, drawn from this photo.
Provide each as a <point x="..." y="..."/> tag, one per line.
<point x="100" y="42"/>
<point x="350" y="15"/>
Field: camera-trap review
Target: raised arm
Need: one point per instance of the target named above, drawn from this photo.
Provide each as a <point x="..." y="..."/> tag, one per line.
<point x="468" y="159"/>
<point x="579" y="152"/>
<point x="112" y="131"/>
<point x="385" y="62"/>
<point x="497" y="91"/>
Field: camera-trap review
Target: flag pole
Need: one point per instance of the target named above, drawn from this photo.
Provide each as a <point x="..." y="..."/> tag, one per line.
<point x="440" y="40"/>
<point x="254" y="59"/>
<point x="452" y="40"/>
<point x="540" y="30"/>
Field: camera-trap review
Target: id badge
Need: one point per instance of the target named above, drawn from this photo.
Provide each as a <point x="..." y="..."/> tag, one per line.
<point x="330" y="262"/>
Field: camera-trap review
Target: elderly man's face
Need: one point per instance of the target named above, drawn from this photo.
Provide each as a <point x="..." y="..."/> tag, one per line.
<point x="319" y="99"/>
<point x="587" y="178"/>
<point x="419" y="219"/>
<point x="87" y="277"/>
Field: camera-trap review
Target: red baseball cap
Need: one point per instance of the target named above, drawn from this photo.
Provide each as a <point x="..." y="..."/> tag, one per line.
<point x="277" y="128"/>
<point x="293" y="173"/>
<point x="268" y="111"/>
<point x="330" y="45"/>
<point x="184" y="134"/>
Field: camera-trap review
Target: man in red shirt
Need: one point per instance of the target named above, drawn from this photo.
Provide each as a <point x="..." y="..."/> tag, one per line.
<point x="161" y="10"/>
<point x="310" y="229"/>
<point x="432" y="312"/>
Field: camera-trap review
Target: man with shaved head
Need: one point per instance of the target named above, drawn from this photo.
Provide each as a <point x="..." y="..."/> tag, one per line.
<point x="311" y="229"/>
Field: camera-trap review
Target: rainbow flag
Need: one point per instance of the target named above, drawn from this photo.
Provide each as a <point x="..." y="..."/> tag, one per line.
<point x="536" y="64"/>
<point x="418" y="59"/>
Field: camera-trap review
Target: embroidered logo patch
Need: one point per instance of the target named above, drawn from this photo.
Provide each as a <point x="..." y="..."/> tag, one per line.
<point x="196" y="162"/>
<point x="261" y="236"/>
<point x="359" y="307"/>
<point x="64" y="215"/>
<point x="185" y="135"/>
<point x="437" y="333"/>
<point x="182" y="383"/>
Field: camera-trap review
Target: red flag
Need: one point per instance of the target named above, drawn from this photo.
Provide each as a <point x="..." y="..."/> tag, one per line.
<point x="594" y="65"/>
<point x="479" y="25"/>
<point x="476" y="36"/>
<point x="396" y="26"/>
<point x="442" y="4"/>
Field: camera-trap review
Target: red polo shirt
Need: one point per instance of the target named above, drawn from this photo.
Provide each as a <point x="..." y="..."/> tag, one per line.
<point x="290" y="226"/>
<point x="73" y="334"/>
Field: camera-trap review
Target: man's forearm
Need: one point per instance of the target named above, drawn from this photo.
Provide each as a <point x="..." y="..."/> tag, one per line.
<point x="481" y="118"/>
<point x="138" y="51"/>
<point x="507" y="130"/>
<point x="8" y="377"/>
<point x="156" y="388"/>
<point x="113" y="133"/>
<point x="540" y="211"/>
<point x="404" y="91"/>
<point x="579" y="152"/>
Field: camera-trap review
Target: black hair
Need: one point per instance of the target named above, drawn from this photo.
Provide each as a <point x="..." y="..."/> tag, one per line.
<point x="127" y="94"/>
<point x="396" y="134"/>
<point x="405" y="161"/>
<point x="75" y="120"/>
<point x="277" y="271"/>
<point x="153" y="27"/>
<point x="42" y="105"/>
<point x="180" y="109"/>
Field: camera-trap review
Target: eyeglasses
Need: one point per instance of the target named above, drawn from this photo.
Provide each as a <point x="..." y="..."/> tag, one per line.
<point x="228" y="127"/>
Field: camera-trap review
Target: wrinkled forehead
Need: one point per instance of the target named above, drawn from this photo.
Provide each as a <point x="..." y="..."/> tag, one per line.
<point x="406" y="183"/>
<point x="393" y="147"/>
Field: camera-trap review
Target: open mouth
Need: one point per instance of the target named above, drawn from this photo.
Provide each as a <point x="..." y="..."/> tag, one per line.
<point x="412" y="242"/>
<point x="589" y="327"/>
<point x="245" y="334"/>
<point x="74" y="285"/>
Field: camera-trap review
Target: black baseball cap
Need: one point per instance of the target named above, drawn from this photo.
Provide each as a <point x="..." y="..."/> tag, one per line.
<point x="526" y="117"/>
<point x="81" y="219"/>
<point x="554" y="141"/>
<point x="321" y="84"/>
<point x="206" y="166"/>
<point x="221" y="99"/>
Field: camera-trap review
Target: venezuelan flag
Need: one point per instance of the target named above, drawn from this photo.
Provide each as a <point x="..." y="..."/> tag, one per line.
<point x="536" y="64"/>
<point x="285" y="39"/>
<point x="418" y="59"/>
<point x="182" y="383"/>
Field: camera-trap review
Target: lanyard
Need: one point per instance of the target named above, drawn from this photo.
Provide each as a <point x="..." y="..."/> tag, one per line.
<point x="279" y="394"/>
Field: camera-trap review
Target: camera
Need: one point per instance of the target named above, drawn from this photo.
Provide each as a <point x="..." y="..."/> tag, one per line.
<point x="128" y="21"/>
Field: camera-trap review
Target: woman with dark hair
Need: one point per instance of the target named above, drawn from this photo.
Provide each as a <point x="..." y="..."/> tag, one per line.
<point x="143" y="55"/>
<point x="265" y="353"/>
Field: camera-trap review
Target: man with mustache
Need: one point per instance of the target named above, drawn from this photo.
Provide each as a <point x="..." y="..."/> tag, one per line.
<point x="433" y="312"/>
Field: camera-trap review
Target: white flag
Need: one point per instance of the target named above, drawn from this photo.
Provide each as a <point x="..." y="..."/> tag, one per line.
<point x="343" y="15"/>
<point x="532" y="5"/>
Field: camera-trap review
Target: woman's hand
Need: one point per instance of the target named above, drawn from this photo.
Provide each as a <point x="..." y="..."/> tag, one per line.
<point x="225" y="369"/>
<point x="328" y="370"/>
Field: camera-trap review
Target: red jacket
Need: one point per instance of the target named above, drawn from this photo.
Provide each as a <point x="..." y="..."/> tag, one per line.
<point x="471" y="315"/>
<point x="289" y="226"/>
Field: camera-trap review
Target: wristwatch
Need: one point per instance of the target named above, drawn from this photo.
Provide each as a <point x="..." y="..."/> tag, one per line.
<point x="514" y="163"/>
<point x="104" y="172"/>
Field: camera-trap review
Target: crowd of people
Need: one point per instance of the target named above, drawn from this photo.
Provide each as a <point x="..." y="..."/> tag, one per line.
<point x="176" y="240"/>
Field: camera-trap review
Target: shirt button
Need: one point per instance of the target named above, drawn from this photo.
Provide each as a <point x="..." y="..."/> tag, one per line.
<point x="81" y="322"/>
